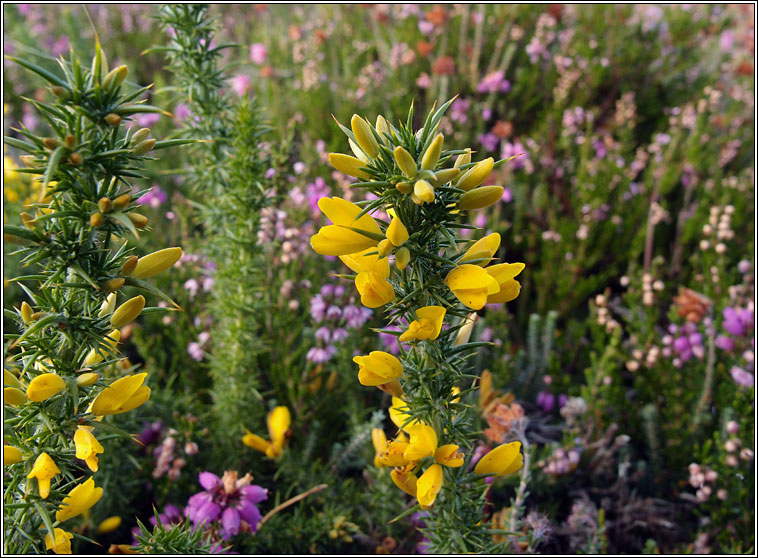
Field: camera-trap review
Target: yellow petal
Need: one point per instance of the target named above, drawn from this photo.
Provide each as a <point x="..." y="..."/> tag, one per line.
<point x="157" y="262"/>
<point x="334" y="240"/>
<point x="405" y="480"/>
<point x="503" y="460"/>
<point x="360" y="262"/>
<point x="396" y="232"/>
<point x="423" y="442"/>
<point x="469" y="276"/>
<point x="44" y="387"/>
<point x="429" y="485"/>
<point x="477" y="174"/>
<point x="256" y="442"/>
<point x="375" y="290"/>
<point x="279" y="421"/>
<point x="483" y="249"/>
<point x="11" y="455"/>
<point x="449" y="456"/>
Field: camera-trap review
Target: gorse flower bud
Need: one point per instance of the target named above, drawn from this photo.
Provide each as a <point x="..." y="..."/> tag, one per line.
<point x="75" y="159"/>
<point x="14" y="396"/>
<point x="51" y="143"/>
<point x="87" y="379"/>
<point x="108" y="306"/>
<point x="480" y="197"/>
<point x="113" y="284"/>
<point x="396" y="232"/>
<point x="113" y="119"/>
<point x="97" y="219"/>
<point x="357" y="151"/>
<point x="402" y="258"/>
<point x="424" y="191"/>
<point x="139" y="136"/>
<point x="348" y="165"/>
<point x="94" y="356"/>
<point x="443" y="176"/>
<point x="374" y="289"/>
<point x="382" y="127"/>
<point x="139" y="220"/>
<point x="405" y="162"/>
<point x="129" y="265"/>
<point x="504" y="460"/>
<point x="432" y="154"/>
<point x="477" y="174"/>
<point x="26" y="312"/>
<point x="143" y="147"/>
<point x="364" y="135"/>
<point x="122" y="201"/>
<point x="128" y="311"/>
<point x="105" y="205"/>
<point x="463" y="159"/>
<point x="115" y="77"/>
<point x="157" y="262"/>
<point x="384" y="248"/>
<point x="404" y="187"/>
<point x="70" y="141"/>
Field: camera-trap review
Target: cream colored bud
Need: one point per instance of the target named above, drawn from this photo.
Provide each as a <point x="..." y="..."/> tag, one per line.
<point x="384" y="248"/>
<point x="443" y="176"/>
<point x="143" y="147"/>
<point x="108" y="306"/>
<point x="463" y="158"/>
<point x="115" y="77"/>
<point x="405" y="162"/>
<point x="28" y="160"/>
<point x="476" y="174"/>
<point x="364" y="136"/>
<point x="402" y="258"/>
<point x="464" y="334"/>
<point x="128" y="311"/>
<point x="382" y="127"/>
<point x="357" y="151"/>
<point x="432" y="155"/>
<point x="140" y="135"/>
<point x="157" y="262"/>
<point x="478" y="198"/>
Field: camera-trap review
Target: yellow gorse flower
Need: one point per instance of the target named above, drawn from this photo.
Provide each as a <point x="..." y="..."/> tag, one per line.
<point x="482" y="251"/>
<point x="96" y="355"/>
<point x="399" y="414"/>
<point x="504" y="275"/>
<point x="128" y="311"/>
<point x="44" y="470"/>
<point x="427" y="326"/>
<point x="11" y="455"/>
<point x="348" y="165"/>
<point x="379" y="440"/>
<point x="472" y="285"/>
<point x="396" y="232"/>
<point x="449" y="456"/>
<point x="423" y="442"/>
<point x="363" y="261"/>
<point x="504" y="460"/>
<point x="374" y="289"/>
<point x="278" y="422"/>
<point x="44" y="387"/>
<point x="61" y="543"/>
<point x="428" y="486"/>
<point x="405" y="480"/>
<point x="121" y="396"/>
<point x="87" y="446"/>
<point x="475" y="175"/>
<point x="81" y="498"/>
<point x="340" y="239"/>
<point x="378" y="368"/>
<point x="108" y="525"/>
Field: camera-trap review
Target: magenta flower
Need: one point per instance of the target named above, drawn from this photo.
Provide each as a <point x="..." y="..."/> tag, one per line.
<point x="228" y="499"/>
<point x="258" y="53"/>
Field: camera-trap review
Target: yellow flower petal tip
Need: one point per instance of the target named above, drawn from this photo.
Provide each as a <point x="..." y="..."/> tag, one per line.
<point x="504" y="460"/>
<point x="44" y="469"/>
<point x="60" y="543"/>
<point x="374" y="289"/>
<point x="472" y="285"/>
<point x="121" y="396"/>
<point x="44" y="386"/>
<point x="110" y="524"/>
<point x="427" y="326"/>
<point x="378" y="368"/>
<point x="429" y="485"/>
<point x="11" y="455"/>
<point x="81" y="498"/>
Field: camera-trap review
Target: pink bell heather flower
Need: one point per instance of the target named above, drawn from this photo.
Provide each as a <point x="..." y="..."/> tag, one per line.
<point x="240" y="84"/>
<point x="228" y="499"/>
<point x="258" y="53"/>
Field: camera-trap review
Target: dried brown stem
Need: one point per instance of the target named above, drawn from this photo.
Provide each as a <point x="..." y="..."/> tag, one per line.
<point x="293" y="500"/>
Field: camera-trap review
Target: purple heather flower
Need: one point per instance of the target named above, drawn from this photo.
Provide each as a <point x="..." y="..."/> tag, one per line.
<point x="318" y="308"/>
<point x="171" y="514"/>
<point x="323" y="334"/>
<point x="182" y="112"/>
<point x="154" y="198"/>
<point x="270" y="173"/>
<point x="546" y="401"/>
<point x="258" y="53"/>
<point x="507" y="195"/>
<point x="339" y="290"/>
<point x="725" y="343"/>
<point x="494" y="82"/>
<point x="562" y="398"/>
<point x="732" y="321"/>
<point x="459" y="110"/>
<point x="488" y="141"/>
<point x="744" y="266"/>
<point x="742" y="376"/>
<point x="486" y="114"/>
<point x="320" y="355"/>
<point x="151" y="433"/>
<point x="240" y="84"/>
<point x="147" y="120"/>
<point x="327" y="290"/>
<point x="195" y="351"/>
<point x="333" y="312"/>
<point x="339" y="334"/>
<point x="226" y="500"/>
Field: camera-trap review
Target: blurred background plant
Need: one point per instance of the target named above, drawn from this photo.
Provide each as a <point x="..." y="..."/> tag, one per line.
<point x="630" y="349"/>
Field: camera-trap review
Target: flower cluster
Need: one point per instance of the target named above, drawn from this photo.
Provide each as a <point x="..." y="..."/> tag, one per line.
<point x="59" y="382"/>
<point x="397" y="243"/>
<point x="333" y="313"/>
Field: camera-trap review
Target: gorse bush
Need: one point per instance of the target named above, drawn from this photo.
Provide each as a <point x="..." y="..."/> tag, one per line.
<point x="516" y="318"/>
